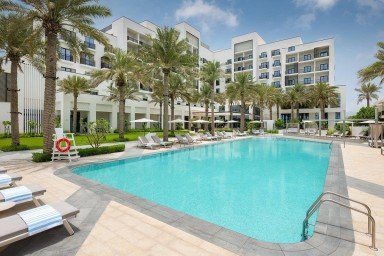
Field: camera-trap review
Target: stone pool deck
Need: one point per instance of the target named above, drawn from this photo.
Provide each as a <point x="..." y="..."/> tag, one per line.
<point x="112" y="223"/>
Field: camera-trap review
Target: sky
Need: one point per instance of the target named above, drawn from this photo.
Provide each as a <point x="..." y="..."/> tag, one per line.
<point x="355" y="25"/>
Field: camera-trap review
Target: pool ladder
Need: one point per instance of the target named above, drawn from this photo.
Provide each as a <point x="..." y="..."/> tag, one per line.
<point x="316" y="205"/>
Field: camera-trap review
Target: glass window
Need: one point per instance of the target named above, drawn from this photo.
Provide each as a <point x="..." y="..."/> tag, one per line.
<point x="324" y="66"/>
<point x="72" y="70"/>
<point x="291" y="59"/>
<point x="275" y="52"/>
<point x="324" y="79"/>
<point x="337" y="115"/>
<point x="307" y="80"/>
<point x="291" y="71"/>
<point x="307" y="57"/>
<point x="264" y="65"/>
<point x="87" y="59"/>
<point x="276" y="63"/>
<point x="324" y="54"/>
<point x="291" y="48"/>
<point x="65" y="54"/>
<point x="217" y="82"/>
<point x="307" y="69"/>
<point x="276" y="73"/>
<point x="277" y="84"/>
<point x="263" y="55"/>
<point x="291" y="82"/>
<point x="89" y="42"/>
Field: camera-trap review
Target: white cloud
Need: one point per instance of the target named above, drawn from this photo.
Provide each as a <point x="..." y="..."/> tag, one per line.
<point x="316" y="4"/>
<point x="207" y="13"/>
<point x="305" y="21"/>
<point x="368" y="11"/>
<point x="374" y="5"/>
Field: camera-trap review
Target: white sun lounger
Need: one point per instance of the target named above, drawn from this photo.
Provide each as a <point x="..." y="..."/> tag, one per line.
<point x="144" y="143"/>
<point x="190" y="139"/>
<point x="182" y="140"/>
<point x="166" y="144"/>
<point x="20" y="194"/>
<point x="14" y="228"/>
<point x="9" y="180"/>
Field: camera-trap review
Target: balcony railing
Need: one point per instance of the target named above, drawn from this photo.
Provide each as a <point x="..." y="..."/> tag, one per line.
<point x="132" y="39"/>
<point x="90" y="45"/>
<point x="105" y="65"/>
<point x="291" y="71"/>
<point x="322" y="68"/>
<point x="262" y="56"/>
<point x="321" y="54"/>
<point x="263" y="66"/>
<point x="275" y="54"/>
<point x="291" y="60"/>
<point x="306" y="82"/>
<point x="322" y="80"/>
<point x="306" y="70"/>
<point x="87" y="62"/>
<point x="276" y="75"/>
<point x="263" y="77"/>
<point x="276" y="64"/>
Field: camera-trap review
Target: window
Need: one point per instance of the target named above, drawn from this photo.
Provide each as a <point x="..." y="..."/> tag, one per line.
<point x="276" y="73"/>
<point x="217" y="82"/>
<point x="71" y="70"/>
<point x="240" y="58"/>
<point x="291" y="71"/>
<point x="277" y="63"/>
<point x="291" y="59"/>
<point x="228" y="62"/>
<point x="263" y="55"/>
<point x="276" y="84"/>
<point x="264" y="75"/>
<point x="89" y="42"/>
<point x="291" y="48"/>
<point x="307" y="69"/>
<point x="324" y="66"/>
<point x="228" y="80"/>
<point x="324" y="54"/>
<point x="291" y="82"/>
<point x="250" y="67"/>
<point x="337" y="115"/>
<point x="324" y="79"/>
<point x="68" y="34"/>
<point x="250" y="56"/>
<point x="217" y="90"/>
<point x="264" y="65"/>
<point x="307" y="57"/>
<point x="65" y="54"/>
<point x="307" y="80"/>
<point x="87" y="59"/>
<point x="275" y="52"/>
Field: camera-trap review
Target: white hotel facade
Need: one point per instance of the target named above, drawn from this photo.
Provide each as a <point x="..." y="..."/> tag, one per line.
<point x="282" y="64"/>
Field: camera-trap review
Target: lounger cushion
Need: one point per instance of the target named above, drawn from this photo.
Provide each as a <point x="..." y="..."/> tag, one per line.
<point x="36" y="190"/>
<point x="15" y="177"/>
<point x="14" y="225"/>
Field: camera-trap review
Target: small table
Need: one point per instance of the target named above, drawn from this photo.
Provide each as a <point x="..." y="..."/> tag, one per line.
<point x="6" y="205"/>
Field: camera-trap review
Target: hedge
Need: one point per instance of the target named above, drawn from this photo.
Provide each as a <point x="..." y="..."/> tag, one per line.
<point x="83" y="152"/>
<point x="14" y="148"/>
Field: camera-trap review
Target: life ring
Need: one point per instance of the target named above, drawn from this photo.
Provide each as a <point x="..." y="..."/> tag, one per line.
<point x="63" y="149"/>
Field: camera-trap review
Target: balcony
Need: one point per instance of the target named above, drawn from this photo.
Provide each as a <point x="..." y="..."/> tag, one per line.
<point x="263" y="66"/>
<point x="275" y="53"/>
<point x="307" y="82"/>
<point x="291" y="71"/>
<point x="276" y="75"/>
<point x="132" y="39"/>
<point x="264" y="77"/>
<point x="291" y="60"/>
<point x="276" y="64"/>
<point x="87" y="62"/>
<point x="90" y="45"/>
<point x="262" y="56"/>
<point x="323" y="80"/>
<point x="321" y="55"/>
<point x="325" y="68"/>
<point x="105" y="65"/>
<point x="303" y="70"/>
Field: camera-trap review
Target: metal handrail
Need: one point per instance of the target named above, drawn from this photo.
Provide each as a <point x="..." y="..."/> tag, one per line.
<point x="315" y="206"/>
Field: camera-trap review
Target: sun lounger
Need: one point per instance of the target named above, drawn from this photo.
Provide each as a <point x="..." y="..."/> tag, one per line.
<point x="144" y="143"/>
<point x="166" y="144"/>
<point x="2" y="171"/>
<point x="190" y="139"/>
<point x="15" y="227"/>
<point x="8" y="180"/>
<point x="238" y="133"/>
<point x="182" y="140"/>
<point x="292" y="130"/>
<point x="22" y="194"/>
<point x="211" y="136"/>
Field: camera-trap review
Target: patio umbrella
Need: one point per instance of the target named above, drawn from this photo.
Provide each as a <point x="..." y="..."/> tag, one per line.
<point x="256" y="122"/>
<point x="370" y="122"/>
<point x="178" y="121"/>
<point x="219" y="122"/>
<point x="200" y="121"/>
<point x="144" y="120"/>
<point x="232" y="122"/>
<point x="347" y="122"/>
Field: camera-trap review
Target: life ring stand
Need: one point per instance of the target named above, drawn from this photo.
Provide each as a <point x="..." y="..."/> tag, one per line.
<point x="63" y="149"/>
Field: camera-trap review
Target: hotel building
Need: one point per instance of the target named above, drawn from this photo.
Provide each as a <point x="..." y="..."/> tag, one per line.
<point x="281" y="64"/>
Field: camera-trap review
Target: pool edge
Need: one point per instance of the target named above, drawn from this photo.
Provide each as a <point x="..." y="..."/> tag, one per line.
<point x="319" y="244"/>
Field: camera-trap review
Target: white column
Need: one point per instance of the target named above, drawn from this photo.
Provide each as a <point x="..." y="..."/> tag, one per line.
<point x="66" y="112"/>
<point x="133" y="113"/>
<point x="92" y="112"/>
<point x="114" y="117"/>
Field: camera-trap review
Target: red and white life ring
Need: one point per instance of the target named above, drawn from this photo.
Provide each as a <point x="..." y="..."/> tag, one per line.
<point x="67" y="145"/>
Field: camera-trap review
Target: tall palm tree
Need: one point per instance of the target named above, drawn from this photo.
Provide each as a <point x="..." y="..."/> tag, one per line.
<point x="74" y="85"/>
<point x="158" y="98"/>
<point x="368" y="92"/>
<point x="243" y="86"/>
<point x="168" y="53"/>
<point x="230" y="93"/>
<point x="52" y="18"/>
<point x="176" y="87"/>
<point x="322" y="95"/>
<point x="295" y="96"/>
<point x="124" y="70"/>
<point x="19" y="40"/>
<point x="205" y="98"/>
<point x="375" y="70"/>
<point x="190" y="95"/>
<point x="210" y="73"/>
<point x="279" y="100"/>
<point x="261" y="94"/>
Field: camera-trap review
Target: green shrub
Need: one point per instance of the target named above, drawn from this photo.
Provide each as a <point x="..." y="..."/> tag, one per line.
<point x="279" y="124"/>
<point x="83" y="152"/>
<point x="294" y="121"/>
<point x="14" y="148"/>
<point x="330" y="131"/>
<point x="274" y="131"/>
<point x="41" y="157"/>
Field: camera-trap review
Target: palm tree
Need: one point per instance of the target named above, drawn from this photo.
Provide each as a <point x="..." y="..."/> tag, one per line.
<point x="19" y="40"/>
<point x="158" y="98"/>
<point x="230" y="93"/>
<point x="168" y="53"/>
<point x="368" y="92"/>
<point x="210" y="73"/>
<point x="124" y="71"/>
<point x="295" y="96"/>
<point x="53" y="17"/>
<point x="243" y="86"/>
<point x="205" y="98"/>
<point x="375" y="70"/>
<point x="190" y="95"/>
<point x="322" y="95"/>
<point x="74" y="85"/>
<point x="176" y="87"/>
<point x="261" y="94"/>
<point x="279" y="100"/>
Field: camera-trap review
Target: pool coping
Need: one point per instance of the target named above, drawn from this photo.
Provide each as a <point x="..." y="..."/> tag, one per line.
<point x="326" y="240"/>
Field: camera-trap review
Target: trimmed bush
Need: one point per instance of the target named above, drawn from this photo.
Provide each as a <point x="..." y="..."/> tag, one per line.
<point x="279" y="124"/>
<point x="14" y="148"/>
<point x="274" y="131"/>
<point x="41" y="157"/>
<point x="83" y="152"/>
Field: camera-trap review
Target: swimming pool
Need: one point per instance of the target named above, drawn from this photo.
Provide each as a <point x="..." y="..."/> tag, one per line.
<point x="260" y="187"/>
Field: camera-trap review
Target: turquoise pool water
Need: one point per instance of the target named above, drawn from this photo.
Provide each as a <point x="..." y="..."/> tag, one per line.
<point x="258" y="187"/>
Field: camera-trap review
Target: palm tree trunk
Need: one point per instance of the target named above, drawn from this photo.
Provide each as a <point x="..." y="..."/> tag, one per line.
<point x="49" y="90"/>
<point x="242" y="116"/>
<point x="166" y="99"/>
<point x="206" y="116"/>
<point x="189" y="116"/>
<point x="297" y="111"/>
<point x="14" y="104"/>
<point x="213" y="110"/>
<point x="368" y="101"/>
<point x="121" y="111"/>
<point x="74" y="125"/>
<point x="292" y="111"/>
<point x="277" y="111"/>
<point x="270" y="112"/>
<point x="161" y="115"/>
<point x="172" y="112"/>
<point x="230" y="114"/>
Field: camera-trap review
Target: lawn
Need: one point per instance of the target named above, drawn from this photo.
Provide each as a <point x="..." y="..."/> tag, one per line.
<point x="37" y="142"/>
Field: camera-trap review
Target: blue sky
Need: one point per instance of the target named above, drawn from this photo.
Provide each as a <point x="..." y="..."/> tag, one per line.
<point x="356" y="25"/>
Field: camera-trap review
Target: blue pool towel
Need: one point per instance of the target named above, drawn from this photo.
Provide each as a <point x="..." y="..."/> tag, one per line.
<point x="17" y="194"/>
<point x="41" y="218"/>
<point x="5" y="179"/>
